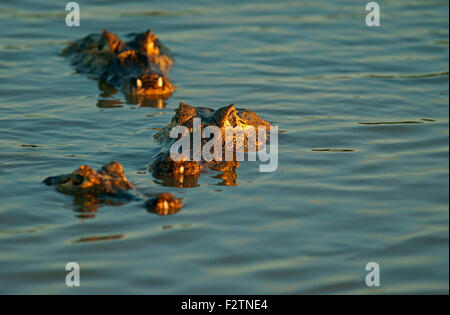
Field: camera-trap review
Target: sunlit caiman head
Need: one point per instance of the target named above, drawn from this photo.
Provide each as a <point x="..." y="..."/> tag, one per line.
<point x="227" y="116"/>
<point x="180" y="173"/>
<point x="109" y="180"/>
<point x="150" y="85"/>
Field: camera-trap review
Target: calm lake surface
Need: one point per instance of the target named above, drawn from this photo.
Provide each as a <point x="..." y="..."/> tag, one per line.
<point x="363" y="170"/>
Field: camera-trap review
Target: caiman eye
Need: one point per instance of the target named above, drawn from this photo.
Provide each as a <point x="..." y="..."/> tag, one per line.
<point x="77" y="180"/>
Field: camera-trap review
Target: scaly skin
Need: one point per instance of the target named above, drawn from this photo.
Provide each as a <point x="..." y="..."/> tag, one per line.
<point x="138" y="67"/>
<point x="186" y="172"/>
<point x="107" y="185"/>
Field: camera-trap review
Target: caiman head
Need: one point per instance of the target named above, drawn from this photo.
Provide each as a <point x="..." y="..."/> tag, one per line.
<point x="227" y="116"/>
<point x="164" y="167"/>
<point x="109" y="180"/>
<point x="232" y="122"/>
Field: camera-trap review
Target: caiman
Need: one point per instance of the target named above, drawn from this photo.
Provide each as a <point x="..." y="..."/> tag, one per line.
<point x="185" y="172"/>
<point x="137" y="67"/>
<point x="109" y="186"/>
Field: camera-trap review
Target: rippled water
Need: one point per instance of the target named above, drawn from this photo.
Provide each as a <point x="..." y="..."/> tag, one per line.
<point x="363" y="153"/>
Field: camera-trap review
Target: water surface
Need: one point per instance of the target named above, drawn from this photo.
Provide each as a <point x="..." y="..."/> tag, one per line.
<point x="363" y="156"/>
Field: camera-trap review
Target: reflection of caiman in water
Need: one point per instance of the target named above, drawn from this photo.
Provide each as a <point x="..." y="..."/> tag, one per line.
<point x="108" y="186"/>
<point x="185" y="173"/>
<point x="139" y="67"/>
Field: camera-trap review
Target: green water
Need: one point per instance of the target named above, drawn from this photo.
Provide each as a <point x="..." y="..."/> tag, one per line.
<point x="363" y="156"/>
